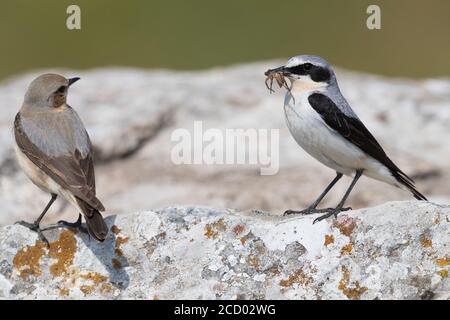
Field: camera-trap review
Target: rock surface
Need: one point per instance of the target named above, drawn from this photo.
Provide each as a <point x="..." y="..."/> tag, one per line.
<point x="131" y="114"/>
<point x="399" y="250"/>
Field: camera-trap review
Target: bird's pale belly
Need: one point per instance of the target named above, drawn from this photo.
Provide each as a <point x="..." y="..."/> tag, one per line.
<point x="41" y="179"/>
<point x="321" y="142"/>
<point x="35" y="174"/>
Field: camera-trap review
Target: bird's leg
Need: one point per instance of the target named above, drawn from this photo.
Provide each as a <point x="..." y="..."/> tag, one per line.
<point x="64" y="224"/>
<point x="312" y="208"/>
<point x="35" y="226"/>
<point x="340" y="206"/>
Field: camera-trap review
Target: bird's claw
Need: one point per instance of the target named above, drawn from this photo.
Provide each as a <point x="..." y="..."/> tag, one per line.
<point x="61" y="224"/>
<point x="36" y="228"/>
<point x="331" y="212"/>
<point x="71" y="225"/>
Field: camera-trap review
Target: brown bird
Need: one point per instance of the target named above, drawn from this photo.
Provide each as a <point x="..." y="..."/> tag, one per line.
<point x="54" y="150"/>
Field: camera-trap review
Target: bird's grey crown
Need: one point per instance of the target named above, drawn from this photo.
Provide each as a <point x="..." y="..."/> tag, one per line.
<point x="305" y="58"/>
<point x="41" y="89"/>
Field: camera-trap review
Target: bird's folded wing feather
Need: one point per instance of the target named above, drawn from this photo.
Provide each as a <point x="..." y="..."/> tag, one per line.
<point x="71" y="171"/>
<point x="351" y="128"/>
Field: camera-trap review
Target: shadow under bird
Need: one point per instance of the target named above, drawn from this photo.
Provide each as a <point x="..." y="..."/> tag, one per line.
<point x="324" y="125"/>
<point x="54" y="149"/>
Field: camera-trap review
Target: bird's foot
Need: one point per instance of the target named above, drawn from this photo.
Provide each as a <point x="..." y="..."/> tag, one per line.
<point x="303" y="212"/>
<point x="77" y="225"/>
<point x="312" y="211"/>
<point x="36" y="228"/>
<point x="331" y="212"/>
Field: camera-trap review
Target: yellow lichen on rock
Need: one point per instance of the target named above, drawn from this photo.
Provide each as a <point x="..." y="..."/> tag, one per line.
<point x="63" y="250"/>
<point x="94" y="281"/>
<point x="426" y="243"/>
<point x="119" y="242"/>
<point x="443" y="273"/>
<point x="298" y="277"/>
<point x="115" y="229"/>
<point x="352" y="293"/>
<point x="347" y="249"/>
<point x="345" y="227"/>
<point x="27" y="259"/>
<point x="329" y="239"/>
<point x="443" y="262"/>
<point x="116" y="263"/>
<point x="212" y="229"/>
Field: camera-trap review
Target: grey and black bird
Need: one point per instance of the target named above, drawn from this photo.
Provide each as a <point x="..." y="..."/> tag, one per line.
<point x="325" y="126"/>
<point x="54" y="149"/>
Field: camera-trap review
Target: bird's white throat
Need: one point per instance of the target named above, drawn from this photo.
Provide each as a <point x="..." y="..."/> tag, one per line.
<point x="306" y="85"/>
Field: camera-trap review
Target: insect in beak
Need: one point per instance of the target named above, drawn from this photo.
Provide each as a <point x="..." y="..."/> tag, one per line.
<point x="279" y="75"/>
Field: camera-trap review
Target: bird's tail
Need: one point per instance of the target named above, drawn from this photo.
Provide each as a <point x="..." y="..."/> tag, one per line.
<point x="407" y="182"/>
<point x="94" y="221"/>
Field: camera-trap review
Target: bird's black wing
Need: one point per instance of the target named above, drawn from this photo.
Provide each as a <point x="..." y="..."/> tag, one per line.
<point x="71" y="171"/>
<point x="353" y="130"/>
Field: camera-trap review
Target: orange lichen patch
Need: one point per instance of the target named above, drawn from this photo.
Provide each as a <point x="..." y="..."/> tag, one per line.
<point x="346" y="227"/>
<point x="63" y="250"/>
<point x="443" y="273"/>
<point x="274" y="270"/>
<point x="299" y="277"/>
<point x="329" y="239"/>
<point x="347" y="249"/>
<point x="119" y="242"/>
<point x="253" y="261"/>
<point x="95" y="277"/>
<point x="94" y="280"/>
<point x="87" y="289"/>
<point x="27" y="259"/>
<point x="443" y="262"/>
<point x="352" y="293"/>
<point x="426" y="243"/>
<point x="243" y="240"/>
<point x="106" y="288"/>
<point x="212" y="229"/>
<point x="438" y="219"/>
<point x="115" y="229"/>
<point x="238" y="229"/>
<point x="116" y="263"/>
<point x="161" y="235"/>
<point x="63" y="292"/>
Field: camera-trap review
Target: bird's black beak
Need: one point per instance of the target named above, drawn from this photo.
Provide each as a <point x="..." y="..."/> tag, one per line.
<point x="281" y="69"/>
<point x="73" y="80"/>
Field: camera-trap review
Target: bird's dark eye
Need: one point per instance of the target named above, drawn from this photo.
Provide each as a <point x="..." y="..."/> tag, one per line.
<point x="61" y="89"/>
<point x="307" y="66"/>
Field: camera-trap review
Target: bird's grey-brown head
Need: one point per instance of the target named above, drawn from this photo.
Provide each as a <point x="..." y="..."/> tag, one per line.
<point x="307" y="72"/>
<point x="48" y="91"/>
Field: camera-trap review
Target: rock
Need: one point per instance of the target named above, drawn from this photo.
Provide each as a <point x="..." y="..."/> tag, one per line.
<point x="131" y="114"/>
<point x="398" y="250"/>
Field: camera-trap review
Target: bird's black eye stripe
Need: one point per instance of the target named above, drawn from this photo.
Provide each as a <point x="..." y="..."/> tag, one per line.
<point x="317" y="73"/>
<point x="307" y="66"/>
<point x="61" y="89"/>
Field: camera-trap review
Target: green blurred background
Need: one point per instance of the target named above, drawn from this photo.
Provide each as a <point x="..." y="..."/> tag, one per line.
<point x="194" y="34"/>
